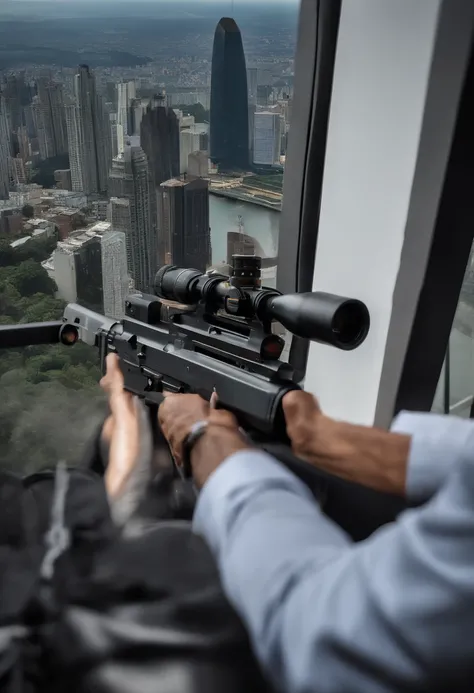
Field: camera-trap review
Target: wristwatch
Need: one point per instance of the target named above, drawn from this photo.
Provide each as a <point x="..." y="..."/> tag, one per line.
<point x="197" y="431"/>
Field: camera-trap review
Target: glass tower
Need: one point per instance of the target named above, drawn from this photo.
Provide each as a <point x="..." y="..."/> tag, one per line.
<point x="229" y="137"/>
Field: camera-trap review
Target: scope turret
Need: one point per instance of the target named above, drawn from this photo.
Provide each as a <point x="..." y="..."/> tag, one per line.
<point x="334" y="320"/>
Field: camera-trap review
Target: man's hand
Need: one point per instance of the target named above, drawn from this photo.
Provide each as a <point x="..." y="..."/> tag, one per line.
<point x="178" y="413"/>
<point x="368" y="456"/>
<point x="121" y="430"/>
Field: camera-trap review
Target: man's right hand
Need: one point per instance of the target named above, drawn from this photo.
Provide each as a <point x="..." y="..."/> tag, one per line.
<point x="368" y="456"/>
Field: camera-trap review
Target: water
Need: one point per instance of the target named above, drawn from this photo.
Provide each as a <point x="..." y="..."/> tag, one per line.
<point x="261" y="223"/>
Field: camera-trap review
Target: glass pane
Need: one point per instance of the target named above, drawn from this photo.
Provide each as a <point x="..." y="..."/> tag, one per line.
<point x="455" y="392"/>
<point x="133" y="138"/>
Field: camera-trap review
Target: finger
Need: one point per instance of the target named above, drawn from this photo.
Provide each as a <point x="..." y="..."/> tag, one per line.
<point x="223" y="418"/>
<point x="299" y="404"/>
<point x="120" y="401"/>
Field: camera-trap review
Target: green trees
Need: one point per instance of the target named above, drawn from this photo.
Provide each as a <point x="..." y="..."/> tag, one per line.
<point x="201" y="115"/>
<point x="50" y="401"/>
<point x="28" y="278"/>
<point x="28" y="211"/>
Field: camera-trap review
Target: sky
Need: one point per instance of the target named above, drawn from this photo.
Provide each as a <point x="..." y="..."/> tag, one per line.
<point x="157" y="2"/>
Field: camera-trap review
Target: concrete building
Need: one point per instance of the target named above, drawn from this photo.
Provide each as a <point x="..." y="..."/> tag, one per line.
<point x="114" y="273"/>
<point x="49" y="118"/>
<point x="198" y="164"/>
<point x="126" y="93"/>
<point x="192" y="139"/>
<point x="267" y="138"/>
<point x="18" y="173"/>
<point x="130" y="180"/>
<point x="4" y="151"/>
<point x="183" y="220"/>
<point x="94" y="136"/>
<point x="75" y="146"/>
<point x="252" y="85"/>
<point x="63" y="179"/>
<point x="90" y="268"/>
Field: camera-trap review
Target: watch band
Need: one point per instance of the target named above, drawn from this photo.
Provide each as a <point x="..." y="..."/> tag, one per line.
<point x="197" y="431"/>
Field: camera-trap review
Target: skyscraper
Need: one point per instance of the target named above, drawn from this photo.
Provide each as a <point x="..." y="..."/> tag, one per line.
<point x="267" y="138"/>
<point x="114" y="273"/>
<point x="50" y="124"/>
<point x="229" y="138"/>
<point x="94" y="129"/>
<point x="159" y="138"/>
<point x="4" y="152"/>
<point x="126" y="93"/>
<point x="252" y="83"/>
<point x="183" y="218"/>
<point x="129" y="181"/>
<point x="74" y="138"/>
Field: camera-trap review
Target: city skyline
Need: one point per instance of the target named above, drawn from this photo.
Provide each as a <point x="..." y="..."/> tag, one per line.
<point x="142" y="154"/>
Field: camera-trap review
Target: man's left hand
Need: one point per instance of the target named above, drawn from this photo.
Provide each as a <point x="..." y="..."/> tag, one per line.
<point x="177" y="415"/>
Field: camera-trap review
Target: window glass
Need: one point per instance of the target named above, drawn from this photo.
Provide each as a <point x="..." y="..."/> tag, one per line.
<point x="138" y="134"/>
<point x="455" y="392"/>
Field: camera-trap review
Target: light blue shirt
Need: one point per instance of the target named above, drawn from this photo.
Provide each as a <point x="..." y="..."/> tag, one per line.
<point x="327" y="615"/>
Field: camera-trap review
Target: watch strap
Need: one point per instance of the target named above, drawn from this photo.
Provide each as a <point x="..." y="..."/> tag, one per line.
<point x="197" y="431"/>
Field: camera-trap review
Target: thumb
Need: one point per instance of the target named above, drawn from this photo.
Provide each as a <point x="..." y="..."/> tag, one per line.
<point x="299" y="404"/>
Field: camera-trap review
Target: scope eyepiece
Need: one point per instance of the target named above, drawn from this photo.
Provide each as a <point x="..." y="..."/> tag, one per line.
<point x="177" y="284"/>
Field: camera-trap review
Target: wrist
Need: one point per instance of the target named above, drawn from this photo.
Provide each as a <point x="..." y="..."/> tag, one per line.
<point x="217" y="444"/>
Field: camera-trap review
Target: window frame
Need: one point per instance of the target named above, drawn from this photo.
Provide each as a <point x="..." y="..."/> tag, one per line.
<point x="304" y="169"/>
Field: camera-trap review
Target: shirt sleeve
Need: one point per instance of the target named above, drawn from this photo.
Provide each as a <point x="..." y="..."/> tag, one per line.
<point x="392" y="613"/>
<point x="437" y="443"/>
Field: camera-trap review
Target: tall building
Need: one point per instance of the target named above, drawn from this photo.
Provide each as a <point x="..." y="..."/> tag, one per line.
<point x="49" y="117"/>
<point x="114" y="134"/>
<point x="129" y="181"/>
<point x="76" y="266"/>
<point x="74" y="136"/>
<point x="192" y="139"/>
<point x="252" y="85"/>
<point x="114" y="273"/>
<point x="198" y="164"/>
<point x="183" y="217"/>
<point x="95" y="150"/>
<point x="159" y="138"/>
<point x="90" y="268"/>
<point x="18" y="170"/>
<point x="229" y="139"/>
<point x="4" y="151"/>
<point x="267" y="138"/>
<point x="126" y="93"/>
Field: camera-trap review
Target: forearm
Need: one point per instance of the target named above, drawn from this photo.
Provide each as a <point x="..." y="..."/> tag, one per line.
<point x="368" y="456"/>
<point x="325" y="616"/>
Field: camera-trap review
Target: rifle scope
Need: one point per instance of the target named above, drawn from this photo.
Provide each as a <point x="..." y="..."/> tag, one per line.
<point x="340" y="322"/>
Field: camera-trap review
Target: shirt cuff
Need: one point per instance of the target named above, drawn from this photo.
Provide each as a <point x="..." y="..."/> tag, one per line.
<point x="436" y="445"/>
<point x="233" y="482"/>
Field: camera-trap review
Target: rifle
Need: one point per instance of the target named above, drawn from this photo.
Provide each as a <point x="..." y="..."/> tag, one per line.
<point x="209" y="332"/>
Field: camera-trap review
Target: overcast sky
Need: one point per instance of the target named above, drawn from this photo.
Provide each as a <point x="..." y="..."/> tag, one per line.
<point x="157" y="2"/>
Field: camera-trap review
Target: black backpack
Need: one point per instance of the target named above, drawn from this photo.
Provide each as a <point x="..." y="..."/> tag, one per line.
<point x="84" y="607"/>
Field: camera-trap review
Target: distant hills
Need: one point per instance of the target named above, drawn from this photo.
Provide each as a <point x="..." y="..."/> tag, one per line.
<point x="12" y="55"/>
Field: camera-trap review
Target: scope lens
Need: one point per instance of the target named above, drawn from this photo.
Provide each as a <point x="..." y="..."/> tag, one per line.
<point x="350" y="323"/>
